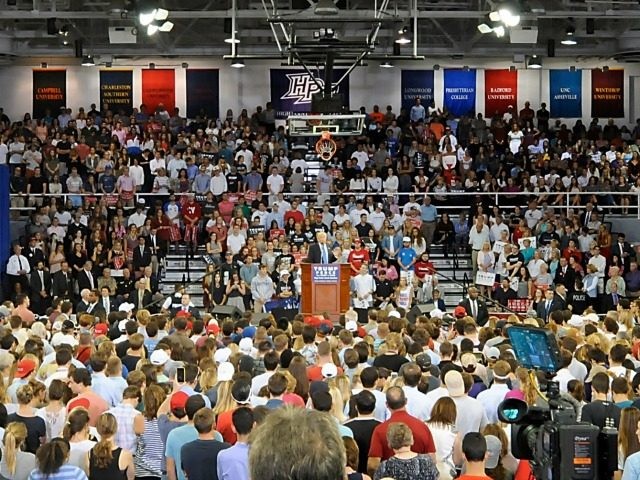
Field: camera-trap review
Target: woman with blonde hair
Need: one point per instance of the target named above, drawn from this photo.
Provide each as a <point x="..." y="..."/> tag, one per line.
<point x="26" y="414"/>
<point x="106" y="460"/>
<point x="224" y="400"/>
<point x="337" y="404"/>
<point x="16" y="464"/>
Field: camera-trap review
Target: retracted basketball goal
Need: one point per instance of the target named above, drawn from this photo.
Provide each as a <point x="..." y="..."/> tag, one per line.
<point x="325" y="126"/>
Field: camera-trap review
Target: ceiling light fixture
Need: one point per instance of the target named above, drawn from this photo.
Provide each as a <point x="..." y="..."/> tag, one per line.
<point x="535" y="62"/>
<point x="326" y="7"/>
<point x="569" y="38"/>
<point x="499" y="31"/>
<point x="148" y="15"/>
<point x="87" y="61"/>
<point x="403" y="38"/>
<point x="386" y="64"/>
<point x="166" y="27"/>
<point x="233" y="39"/>
<point x="152" y="29"/>
<point x="237" y="63"/>
<point x="484" y="28"/>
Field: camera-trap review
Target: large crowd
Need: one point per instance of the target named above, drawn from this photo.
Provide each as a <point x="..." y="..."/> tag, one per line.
<point x="105" y="377"/>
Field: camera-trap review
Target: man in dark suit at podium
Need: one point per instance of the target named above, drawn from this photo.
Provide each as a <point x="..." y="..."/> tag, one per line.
<point x="320" y="252"/>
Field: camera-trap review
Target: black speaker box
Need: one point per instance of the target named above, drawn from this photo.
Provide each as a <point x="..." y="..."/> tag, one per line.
<point x="551" y="48"/>
<point x="418" y="310"/>
<point x="591" y="26"/>
<point x="227" y="25"/>
<point x="78" y="48"/>
<point x="51" y="26"/>
<point x="225" y="311"/>
<point x="288" y="313"/>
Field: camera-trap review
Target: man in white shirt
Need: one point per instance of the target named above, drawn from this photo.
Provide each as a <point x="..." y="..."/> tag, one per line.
<point x="218" y="183"/>
<point x="275" y="184"/>
<point x="410" y="204"/>
<point x="600" y="262"/>
<point x="478" y="235"/>
<point x="492" y="397"/>
<point x="363" y="287"/>
<point x="138" y="217"/>
<point x="299" y="163"/>
<point x="235" y="240"/>
<point x="245" y="156"/>
<point x="416" y="400"/>
<point x="495" y="232"/>
<point x="533" y="215"/>
<point x="357" y="212"/>
<point x="361" y="157"/>
<point x="564" y="375"/>
<point x="376" y="218"/>
<point x="18" y="268"/>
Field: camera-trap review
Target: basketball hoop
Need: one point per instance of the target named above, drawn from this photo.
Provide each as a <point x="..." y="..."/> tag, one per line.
<point x="326" y="147"/>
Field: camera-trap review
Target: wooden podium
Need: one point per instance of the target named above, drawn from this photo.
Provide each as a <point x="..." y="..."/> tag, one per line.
<point x="325" y="289"/>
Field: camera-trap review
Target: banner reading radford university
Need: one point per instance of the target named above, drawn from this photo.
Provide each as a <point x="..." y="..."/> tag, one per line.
<point x="116" y="90"/>
<point x="159" y="86"/>
<point x="500" y="91"/>
<point x="292" y="90"/>
<point x="607" y="93"/>
<point x="203" y="92"/>
<point x="416" y="84"/>
<point x="460" y="92"/>
<point x="565" y="93"/>
<point x="49" y="92"/>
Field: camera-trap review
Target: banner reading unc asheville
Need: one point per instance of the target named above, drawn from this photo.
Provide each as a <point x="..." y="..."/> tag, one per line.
<point x="565" y="93"/>
<point x="292" y="90"/>
<point x="460" y="92"/>
<point x="416" y="84"/>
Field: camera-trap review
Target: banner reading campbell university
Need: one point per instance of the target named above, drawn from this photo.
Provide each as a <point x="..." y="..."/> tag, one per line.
<point x="460" y="92"/>
<point x="49" y="92"/>
<point x="116" y="90"/>
<point x="203" y="92"/>
<point x="565" y="93"/>
<point x="607" y="93"/>
<point x="291" y="90"/>
<point x="500" y="91"/>
<point x="416" y="84"/>
<point x="159" y="86"/>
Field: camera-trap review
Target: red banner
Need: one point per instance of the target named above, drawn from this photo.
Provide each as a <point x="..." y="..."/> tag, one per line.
<point x="500" y="91"/>
<point x="159" y="86"/>
<point x="607" y="93"/>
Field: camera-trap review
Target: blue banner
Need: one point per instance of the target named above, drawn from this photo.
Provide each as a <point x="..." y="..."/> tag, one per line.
<point x="416" y="84"/>
<point x="203" y="92"/>
<point x="292" y="90"/>
<point x="116" y="90"/>
<point x="565" y="93"/>
<point x="460" y="92"/>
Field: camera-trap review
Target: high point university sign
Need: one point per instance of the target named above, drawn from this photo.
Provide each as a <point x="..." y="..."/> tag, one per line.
<point x="325" y="273"/>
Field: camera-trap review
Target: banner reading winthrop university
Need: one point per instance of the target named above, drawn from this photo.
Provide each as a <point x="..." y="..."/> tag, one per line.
<point x="565" y="93"/>
<point x="291" y="90"/>
<point x="159" y="86"/>
<point x="116" y="90"/>
<point x="500" y="91"/>
<point x="460" y="92"/>
<point x="416" y="84"/>
<point x="49" y="92"/>
<point x="203" y="92"/>
<point x="607" y="93"/>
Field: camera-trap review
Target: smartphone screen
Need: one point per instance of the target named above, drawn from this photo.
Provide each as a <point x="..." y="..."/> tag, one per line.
<point x="180" y="374"/>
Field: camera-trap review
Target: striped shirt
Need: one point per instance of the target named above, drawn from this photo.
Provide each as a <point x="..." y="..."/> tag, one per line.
<point x="125" y="436"/>
<point x="65" y="472"/>
<point x="150" y="454"/>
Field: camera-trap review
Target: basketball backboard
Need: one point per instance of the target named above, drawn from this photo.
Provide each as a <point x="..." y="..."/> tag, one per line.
<point x="314" y="125"/>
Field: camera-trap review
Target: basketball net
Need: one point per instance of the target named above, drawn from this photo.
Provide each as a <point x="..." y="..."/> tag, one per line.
<point x="326" y="147"/>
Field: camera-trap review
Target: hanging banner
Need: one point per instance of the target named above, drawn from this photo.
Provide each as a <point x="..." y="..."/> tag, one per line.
<point x="203" y="92"/>
<point x="416" y="84"/>
<point x="607" y="93"/>
<point x="292" y="90"/>
<point x="159" y="87"/>
<point x="460" y="92"/>
<point x="500" y="91"/>
<point x="565" y="93"/>
<point x="49" y="92"/>
<point x="116" y="90"/>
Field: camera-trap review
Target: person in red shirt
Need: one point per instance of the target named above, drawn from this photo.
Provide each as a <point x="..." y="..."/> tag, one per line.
<point x="314" y="372"/>
<point x="425" y="273"/>
<point x="358" y="256"/>
<point x="294" y="213"/>
<point x="422" y="439"/>
<point x="191" y="215"/>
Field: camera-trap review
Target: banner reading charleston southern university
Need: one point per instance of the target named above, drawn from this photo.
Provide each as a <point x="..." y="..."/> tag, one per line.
<point x="416" y="84"/>
<point x="500" y="91"/>
<point x="607" y="93"/>
<point x="565" y="93"/>
<point x="159" y="86"/>
<point x="292" y="90"/>
<point x="203" y="92"/>
<point x="116" y="90"/>
<point x="460" y="92"/>
<point x="49" y="92"/>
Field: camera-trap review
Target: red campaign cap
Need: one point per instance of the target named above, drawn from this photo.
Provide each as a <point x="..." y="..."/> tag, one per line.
<point x="78" y="403"/>
<point x="178" y="400"/>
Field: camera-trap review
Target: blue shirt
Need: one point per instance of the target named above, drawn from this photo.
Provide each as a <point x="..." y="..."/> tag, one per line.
<point x="176" y="439"/>
<point x="631" y="467"/>
<point x="65" y="472"/>
<point x="406" y="256"/>
<point x="428" y="213"/>
<point x="233" y="463"/>
<point x="106" y="389"/>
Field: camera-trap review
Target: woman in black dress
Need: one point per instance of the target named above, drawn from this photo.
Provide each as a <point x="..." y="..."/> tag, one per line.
<point x="106" y="460"/>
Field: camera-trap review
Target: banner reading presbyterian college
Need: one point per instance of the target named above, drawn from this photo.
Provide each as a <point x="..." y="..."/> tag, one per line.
<point x="607" y="93"/>
<point x="49" y="92"/>
<point x="460" y="92"/>
<point x="416" y="84"/>
<point x="500" y="91"/>
<point x="116" y="90"/>
<point x="159" y="86"/>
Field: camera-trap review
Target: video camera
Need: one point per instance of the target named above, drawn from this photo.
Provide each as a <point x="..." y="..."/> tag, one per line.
<point x="557" y="446"/>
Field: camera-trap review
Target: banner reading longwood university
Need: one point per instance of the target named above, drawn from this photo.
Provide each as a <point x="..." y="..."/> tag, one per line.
<point x="291" y="90"/>
<point x="203" y="92"/>
<point x="607" y="93"/>
<point x="116" y="90"/>
<point x="460" y="92"/>
<point x="565" y="93"/>
<point x="500" y="91"/>
<point x="49" y="92"/>
<point x="159" y="86"/>
<point x="416" y="84"/>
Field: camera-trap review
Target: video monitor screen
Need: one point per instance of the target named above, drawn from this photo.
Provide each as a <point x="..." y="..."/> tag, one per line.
<point x="535" y="348"/>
